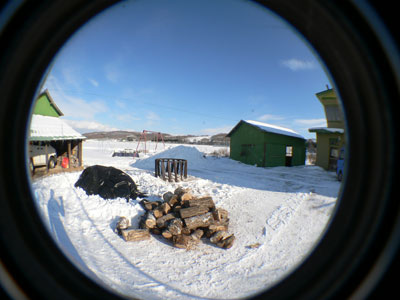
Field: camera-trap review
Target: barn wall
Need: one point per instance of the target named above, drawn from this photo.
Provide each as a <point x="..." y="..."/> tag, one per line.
<point x="276" y="150"/>
<point x="255" y="147"/>
<point x="247" y="145"/>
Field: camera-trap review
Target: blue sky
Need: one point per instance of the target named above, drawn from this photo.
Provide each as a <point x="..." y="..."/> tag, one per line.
<point x="187" y="67"/>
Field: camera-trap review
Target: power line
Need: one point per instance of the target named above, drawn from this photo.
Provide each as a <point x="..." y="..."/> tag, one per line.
<point x="143" y="102"/>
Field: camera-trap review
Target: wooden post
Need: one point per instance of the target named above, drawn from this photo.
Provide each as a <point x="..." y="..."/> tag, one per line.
<point x="169" y="162"/>
<point x="185" y="166"/>
<point x="80" y="152"/>
<point x="176" y="170"/>
<point x="162" y="169"/>
<point x="157" y="161"/>
<point x="69" y="154"/>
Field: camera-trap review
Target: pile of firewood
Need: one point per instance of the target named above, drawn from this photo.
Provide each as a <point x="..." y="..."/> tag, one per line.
<point x="182" y="219"/>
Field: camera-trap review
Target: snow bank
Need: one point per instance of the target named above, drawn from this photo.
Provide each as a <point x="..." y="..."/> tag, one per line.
<point x="194" y="157"/>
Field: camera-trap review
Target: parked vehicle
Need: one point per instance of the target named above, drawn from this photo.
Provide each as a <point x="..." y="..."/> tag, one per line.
<point x="340" y="165"/>
<point x="37" y="155"/>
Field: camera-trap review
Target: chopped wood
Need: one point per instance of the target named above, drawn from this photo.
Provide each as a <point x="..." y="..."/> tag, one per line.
<point x="158" y="212"/>
<point x="177" y="208"/>
<point x="203" y="201"/>
<point x="181" y="218"/>
<point x="192" y="211"/>
<point x="218" y="227"/>
<point x="186" y="230"/>
<point x="146" y="204"/>
<point x="123" y="223"/>
<point x="131" y="234"/>
<point x="197" y="234"/>
<point x="150" y="220"/>
<point x="173" y="200"/>
<point x="199" y="221"/>
<point x="218" y="236"/>
<point x="165" y="208"/>
<point x="220" y="215"/>
<point x="167" y="196"/>
<point x="175" y="226"/>
<point x="227" y="242"/>
<point x="165" y="233"/>
<point x="183" y="241"/>
<point x="162" y="221"/>
<point x="186" y="196"/>
<point x="179" y="191"/>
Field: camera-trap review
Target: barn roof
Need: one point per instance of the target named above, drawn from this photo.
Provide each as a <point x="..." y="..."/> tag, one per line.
<point x="268" y="128"/>
<point x="44" y="128"/>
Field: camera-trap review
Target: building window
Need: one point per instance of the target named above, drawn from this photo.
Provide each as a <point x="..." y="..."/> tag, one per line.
<point x="289" y="151"/>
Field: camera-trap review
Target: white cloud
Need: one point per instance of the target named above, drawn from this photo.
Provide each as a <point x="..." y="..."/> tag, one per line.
<point x="268" y="117"/>
<point x="311" y="122"/>
<point x="93" y="82"/>
<point x="89" y="126"/>
<point x="213" y="131"/>
<point x="295" y="64"/>
<point x="152" y="116"/>
<point x="72" y="106"/>
<point x="126" y="118"/>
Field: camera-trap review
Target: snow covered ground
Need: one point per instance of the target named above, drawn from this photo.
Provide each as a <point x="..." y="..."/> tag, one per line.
<point x="282" y="210"/>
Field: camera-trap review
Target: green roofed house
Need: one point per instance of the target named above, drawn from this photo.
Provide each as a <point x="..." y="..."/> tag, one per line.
<point x="266" y="145"/>
<point x="51" y="139"/>
<point x="330" y="139"/>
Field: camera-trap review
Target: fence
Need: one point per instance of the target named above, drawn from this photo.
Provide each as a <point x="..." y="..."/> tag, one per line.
<point x="171" y="167"/>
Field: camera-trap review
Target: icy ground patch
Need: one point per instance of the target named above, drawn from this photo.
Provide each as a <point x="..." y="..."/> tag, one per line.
<point x="277" y="215"/>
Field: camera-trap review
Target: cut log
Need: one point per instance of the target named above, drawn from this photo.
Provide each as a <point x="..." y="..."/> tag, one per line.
<point x="197" y="234"/>
<point x="227" y="242"/>
<point x="167" y="196"/>
<point x="175" y="226"/>
<point x="131" y="234"/>
<point x="173" y="200"/>
<point x="220" y="215"/>
<point x="165" y="233"/>
<point x="204" y="220"/>
<point x="186" y="230"/>
<point x="183" y="241"/>
<point x="158" y="212"/>
<point x="150" y="220"/>
<point x="179" y="191"/>
<point x="162" y="222"/>
<point x="218" y="236"/>
<point x="186" y="196"/>
<point x="123" y="223"/>
<point x="177" y="208"/>
<point x="203" y="201"/>
<point x="214" y="228"/>
<point x="193" y="211"/>
<point x="165" y="208"/>
<point x="146" y="204"/>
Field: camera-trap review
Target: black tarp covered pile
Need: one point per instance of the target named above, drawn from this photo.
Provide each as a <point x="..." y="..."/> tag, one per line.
<point x="108" y="183"/>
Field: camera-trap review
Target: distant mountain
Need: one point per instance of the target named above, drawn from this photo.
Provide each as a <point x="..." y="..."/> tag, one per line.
<point x="218" y="139"/>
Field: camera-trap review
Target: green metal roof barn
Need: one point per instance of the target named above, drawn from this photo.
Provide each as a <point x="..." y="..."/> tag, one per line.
<point x="266" y="145"/>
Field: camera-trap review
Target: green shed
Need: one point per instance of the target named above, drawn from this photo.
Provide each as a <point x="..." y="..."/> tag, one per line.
<point x="266" y="145"/>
